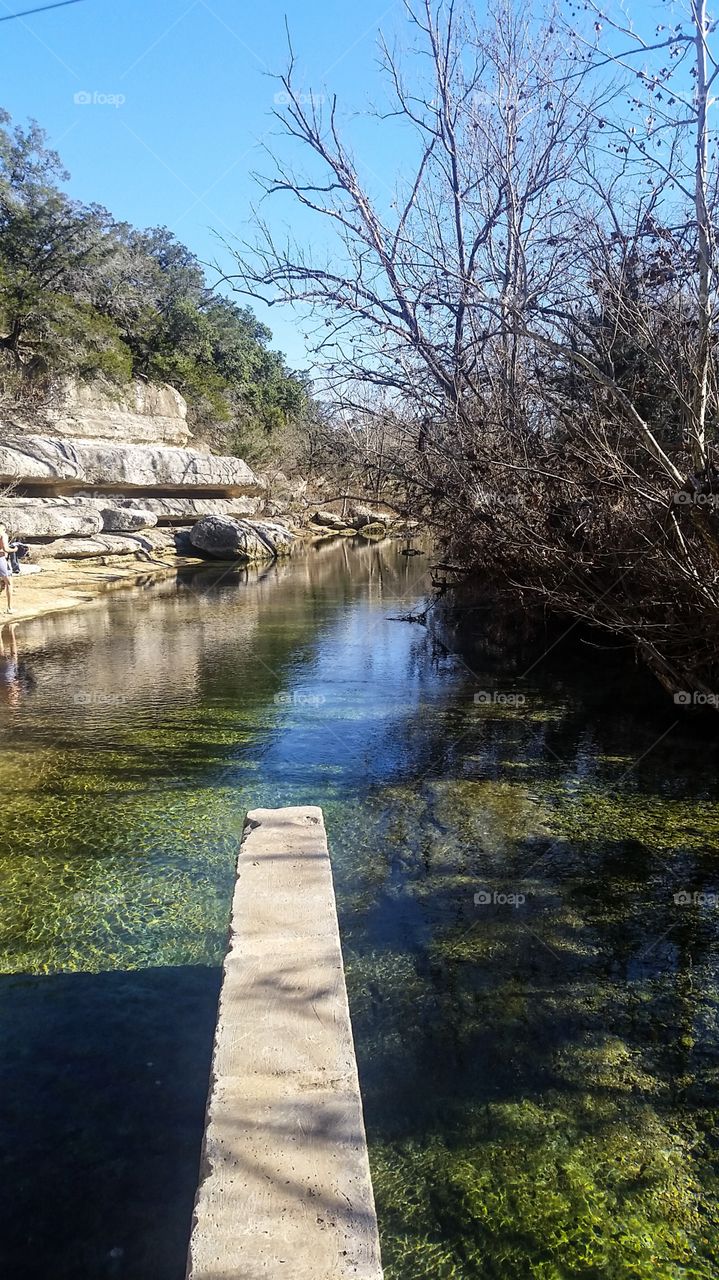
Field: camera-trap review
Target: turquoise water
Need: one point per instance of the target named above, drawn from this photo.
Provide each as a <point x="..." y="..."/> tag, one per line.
<point x="539" y="1065"/>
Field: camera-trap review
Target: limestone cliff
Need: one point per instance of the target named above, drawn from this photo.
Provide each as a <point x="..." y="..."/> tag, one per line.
<point x="121" y="440"/>
<point x="139" y="413"/>
<point x="91" y="472"/>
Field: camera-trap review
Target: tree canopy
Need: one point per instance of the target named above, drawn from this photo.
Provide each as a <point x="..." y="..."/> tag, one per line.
<point x="85" y="295"/>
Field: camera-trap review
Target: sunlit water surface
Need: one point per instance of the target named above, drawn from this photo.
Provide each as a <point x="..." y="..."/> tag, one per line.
<point x="539" y="1067"/>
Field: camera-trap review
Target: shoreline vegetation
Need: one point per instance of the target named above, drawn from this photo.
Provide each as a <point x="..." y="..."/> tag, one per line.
<point x="84" y="296"/>
<point x="532" y="314"/>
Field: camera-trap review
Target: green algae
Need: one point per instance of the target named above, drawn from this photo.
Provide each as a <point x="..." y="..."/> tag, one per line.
<point x="604" y="1165"/>
<point x="528" y="1192"/>
<point x="540" y="1079"/>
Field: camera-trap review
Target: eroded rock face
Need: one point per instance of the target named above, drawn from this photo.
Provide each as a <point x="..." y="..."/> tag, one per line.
<point x="165" y="543"/>
<point x="38" y="520"/>
<point x="98" y="464"/>
<point x="281" y="538"/>
<point x="226" y="539"/>
<point x="138" y="413"/>
<point x="159" y="543"/>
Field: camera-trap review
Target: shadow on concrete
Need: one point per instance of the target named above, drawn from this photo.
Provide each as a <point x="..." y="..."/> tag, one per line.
<point x="103" y="1084"/>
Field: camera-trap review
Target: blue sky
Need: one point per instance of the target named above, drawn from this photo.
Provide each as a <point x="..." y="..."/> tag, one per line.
<point x="180" y="148"/>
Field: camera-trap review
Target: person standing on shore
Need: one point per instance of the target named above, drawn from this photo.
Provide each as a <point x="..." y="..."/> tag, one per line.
<point x="18" y="551"/>
<point x="5" y="570"/>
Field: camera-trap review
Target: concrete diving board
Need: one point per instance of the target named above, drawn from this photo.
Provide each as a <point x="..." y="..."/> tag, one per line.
<point x="285" y="1190"/>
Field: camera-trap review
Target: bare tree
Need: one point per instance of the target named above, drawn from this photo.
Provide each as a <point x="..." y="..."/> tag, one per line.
<point x="663" y="137"/>
<point x="423" y="294"/>
<point x="534" y="307"/>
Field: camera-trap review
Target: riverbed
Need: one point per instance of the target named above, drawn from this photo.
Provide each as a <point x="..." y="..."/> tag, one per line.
<point x="524" y="841"/>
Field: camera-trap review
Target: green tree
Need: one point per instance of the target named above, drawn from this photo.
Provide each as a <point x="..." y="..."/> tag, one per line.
<point x="82" y="294"/>
<point x="50" y="250"/>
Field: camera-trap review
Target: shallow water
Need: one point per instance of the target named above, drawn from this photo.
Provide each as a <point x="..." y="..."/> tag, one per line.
<point x="539" y="1067"/>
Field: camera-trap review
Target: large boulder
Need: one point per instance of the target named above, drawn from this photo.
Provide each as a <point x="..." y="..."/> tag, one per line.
<point x="329" y="520"/>
<point x="96" y="463"/>
<point x="101" y="545"/>
<point x="126" y="519"/>
<point x="374" y="530"/>
<point x="362" y="516"/>
<point x="41" y="520"/>
<point x="226" y="539"/>
<point x="275" y="534"/>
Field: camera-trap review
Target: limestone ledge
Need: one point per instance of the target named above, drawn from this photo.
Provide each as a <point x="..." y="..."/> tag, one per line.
<point x="72" y="463"/>
<point x="188" y="510"/>
<point x="85" y="514"/>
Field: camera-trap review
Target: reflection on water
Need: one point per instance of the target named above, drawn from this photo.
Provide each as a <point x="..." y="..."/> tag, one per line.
<point x="16" y="679"/>
<point x="528" y="900"/>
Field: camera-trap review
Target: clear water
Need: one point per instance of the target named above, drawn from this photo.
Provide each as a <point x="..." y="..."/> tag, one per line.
<point x="539" y="1071"/>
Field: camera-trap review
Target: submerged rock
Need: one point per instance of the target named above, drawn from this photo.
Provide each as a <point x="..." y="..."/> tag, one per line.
<point x="227" y="539"/>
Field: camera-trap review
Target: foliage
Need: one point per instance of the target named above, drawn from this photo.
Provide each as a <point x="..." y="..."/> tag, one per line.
<point x="82" y="294"/>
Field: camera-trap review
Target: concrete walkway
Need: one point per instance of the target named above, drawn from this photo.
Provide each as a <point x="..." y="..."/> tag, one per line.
<point x="285" y="1190"/>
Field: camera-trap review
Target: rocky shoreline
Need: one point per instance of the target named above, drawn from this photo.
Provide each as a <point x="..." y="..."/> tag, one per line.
<point x="104" y="488"/>
<point x="66" y="584"/>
